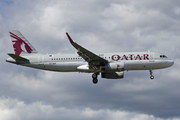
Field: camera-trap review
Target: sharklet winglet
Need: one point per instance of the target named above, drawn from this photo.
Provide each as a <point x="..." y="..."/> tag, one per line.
<point x="70" y="39"/>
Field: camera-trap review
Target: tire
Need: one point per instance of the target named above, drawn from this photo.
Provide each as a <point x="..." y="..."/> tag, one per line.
<point x="95" y="81"/>
<point x="151" y="77"/>
<point x="94" y="76"/>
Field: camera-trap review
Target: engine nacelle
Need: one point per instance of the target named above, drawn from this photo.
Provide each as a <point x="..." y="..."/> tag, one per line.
<point x="113" y="75"/>
<point x="119" y="66"/>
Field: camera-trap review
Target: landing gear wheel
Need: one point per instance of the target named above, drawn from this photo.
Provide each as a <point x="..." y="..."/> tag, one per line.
<point x="94" y="76"/>
<point x="95" y="81"/>
<point x="152" y="77"/>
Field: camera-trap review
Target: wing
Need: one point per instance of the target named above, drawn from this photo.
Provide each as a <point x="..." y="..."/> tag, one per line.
<point x="88" y="56"/>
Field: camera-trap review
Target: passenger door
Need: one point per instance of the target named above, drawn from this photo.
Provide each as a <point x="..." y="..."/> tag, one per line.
<point x="151" y="57"/>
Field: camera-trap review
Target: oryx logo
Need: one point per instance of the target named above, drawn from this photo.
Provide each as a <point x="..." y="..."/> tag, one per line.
<point x="19" y="45"/>
<point x="118" y="65"/>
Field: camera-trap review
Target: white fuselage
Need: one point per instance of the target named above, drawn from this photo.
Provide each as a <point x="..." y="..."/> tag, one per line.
<point x="75" y="63"/>
<point x="110" y="65"/>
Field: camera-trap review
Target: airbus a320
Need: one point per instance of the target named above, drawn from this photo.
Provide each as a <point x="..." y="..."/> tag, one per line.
<point x="109" y="65"/>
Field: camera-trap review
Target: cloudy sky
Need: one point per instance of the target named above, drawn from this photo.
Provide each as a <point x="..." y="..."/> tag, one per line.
<point x="100" y="26"/>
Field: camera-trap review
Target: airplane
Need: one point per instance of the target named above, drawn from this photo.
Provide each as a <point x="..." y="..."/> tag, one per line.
<point x="110" y="65"/>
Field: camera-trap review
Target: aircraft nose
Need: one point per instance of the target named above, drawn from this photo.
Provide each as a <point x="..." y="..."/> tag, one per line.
<point x="171" y="62"/>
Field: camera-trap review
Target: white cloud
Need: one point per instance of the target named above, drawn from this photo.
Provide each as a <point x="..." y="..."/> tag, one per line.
<point x="100" y="26"/>
<point x="15" y="109"/>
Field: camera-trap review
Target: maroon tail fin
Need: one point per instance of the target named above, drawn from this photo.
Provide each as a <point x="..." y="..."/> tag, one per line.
<point x="20" y="44"/>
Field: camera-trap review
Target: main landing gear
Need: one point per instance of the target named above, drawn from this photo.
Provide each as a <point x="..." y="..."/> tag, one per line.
<point x="152" y="77"/>
<point x="94" y="76"/>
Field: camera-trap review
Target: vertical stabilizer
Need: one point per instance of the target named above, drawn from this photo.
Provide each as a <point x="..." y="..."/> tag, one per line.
<point x="20" y="44"/>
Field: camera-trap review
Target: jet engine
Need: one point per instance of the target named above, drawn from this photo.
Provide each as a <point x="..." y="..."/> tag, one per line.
<point x="119" y="66"/>
<point x="113" y="75"/>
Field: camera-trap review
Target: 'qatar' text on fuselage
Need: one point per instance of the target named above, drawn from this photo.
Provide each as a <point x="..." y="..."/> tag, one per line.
<point x="130" y="57"/>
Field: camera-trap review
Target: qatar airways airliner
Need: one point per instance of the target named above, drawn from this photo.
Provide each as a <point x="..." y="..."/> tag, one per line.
<point x="110" y="65"/>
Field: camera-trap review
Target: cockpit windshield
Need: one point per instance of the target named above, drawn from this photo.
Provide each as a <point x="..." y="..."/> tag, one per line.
<point x="163" y="56"/>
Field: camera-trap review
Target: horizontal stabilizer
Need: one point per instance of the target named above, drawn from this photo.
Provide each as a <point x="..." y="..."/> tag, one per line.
<point x="16" y="57"/>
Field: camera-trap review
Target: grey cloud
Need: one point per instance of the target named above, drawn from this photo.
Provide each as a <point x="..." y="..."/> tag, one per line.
<point x="100" y="26"/>
<point x="18" y="109"/>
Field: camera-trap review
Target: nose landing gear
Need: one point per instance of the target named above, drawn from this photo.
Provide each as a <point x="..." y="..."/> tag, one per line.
<point x="151" y="77"/>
